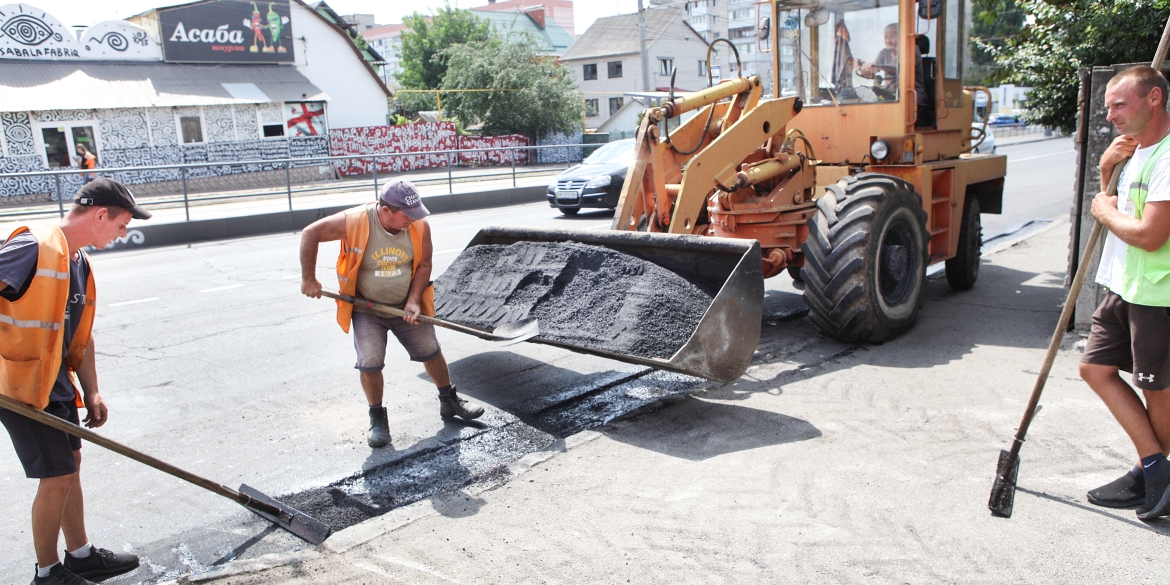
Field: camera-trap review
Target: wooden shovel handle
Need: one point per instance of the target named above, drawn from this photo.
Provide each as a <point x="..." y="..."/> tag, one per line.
<point x="84" y="433"/>
<point x="396" y="312"/>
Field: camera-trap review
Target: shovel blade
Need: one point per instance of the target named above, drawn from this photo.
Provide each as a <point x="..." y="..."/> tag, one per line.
<point x="300" y="524"/>
<point x="1003" y="491"/>
<point x="513" y="333"/>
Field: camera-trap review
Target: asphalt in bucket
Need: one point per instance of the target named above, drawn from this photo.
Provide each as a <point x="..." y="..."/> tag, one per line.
<point x="583" y="295"/>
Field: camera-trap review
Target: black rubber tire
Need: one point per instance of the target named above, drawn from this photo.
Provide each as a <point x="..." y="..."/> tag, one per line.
<point x="570" y="211"/>
<point x="854" y="292"/>
<point x="963" y="269"/>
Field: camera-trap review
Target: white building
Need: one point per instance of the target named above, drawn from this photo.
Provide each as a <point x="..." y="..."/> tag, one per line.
<point x="387" y="41"/>
<point x="606" y="60"/>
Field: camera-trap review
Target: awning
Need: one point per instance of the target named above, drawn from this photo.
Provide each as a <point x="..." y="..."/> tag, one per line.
<point x="41" y="85"/>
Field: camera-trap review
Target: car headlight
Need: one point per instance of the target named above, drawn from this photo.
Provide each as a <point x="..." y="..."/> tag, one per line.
<point x="879" y="150"/>
<point x="602" y="181"/>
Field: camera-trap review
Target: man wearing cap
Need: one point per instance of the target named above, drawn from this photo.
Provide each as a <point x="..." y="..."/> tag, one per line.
<point x="385" y="258"/>
<point x="47" y="301"/>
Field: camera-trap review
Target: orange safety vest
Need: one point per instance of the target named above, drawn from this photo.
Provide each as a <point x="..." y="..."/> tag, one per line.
<point x="31" y="328"/>
<point x="353" y="246"/>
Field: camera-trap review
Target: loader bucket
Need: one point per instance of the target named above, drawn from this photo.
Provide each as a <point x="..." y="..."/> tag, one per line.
<point x="722" y="345"/>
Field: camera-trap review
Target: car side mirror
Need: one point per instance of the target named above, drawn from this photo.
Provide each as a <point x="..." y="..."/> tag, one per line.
<point x="765" y="28"/>
<point x="929" y="9"/>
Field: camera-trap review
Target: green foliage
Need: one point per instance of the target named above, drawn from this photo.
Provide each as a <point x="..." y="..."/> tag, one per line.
<point x="1069" y="34"/>
<point x="424" y="39"/>
<point x="535" y="95"/>
<point x="993" y="22"/>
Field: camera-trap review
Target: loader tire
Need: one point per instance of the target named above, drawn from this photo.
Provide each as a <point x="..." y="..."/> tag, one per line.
<point x="865" y="258"/>
<point x="963" y="269"/>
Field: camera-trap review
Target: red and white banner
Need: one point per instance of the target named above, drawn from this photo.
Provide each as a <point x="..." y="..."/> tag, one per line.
<point x="417" y="138"/>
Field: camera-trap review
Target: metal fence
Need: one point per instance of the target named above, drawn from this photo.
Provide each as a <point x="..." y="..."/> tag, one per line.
<point x="347" y="185"/>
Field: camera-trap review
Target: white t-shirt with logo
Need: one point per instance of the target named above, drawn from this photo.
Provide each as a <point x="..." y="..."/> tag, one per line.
<point x="1112" y="268"/>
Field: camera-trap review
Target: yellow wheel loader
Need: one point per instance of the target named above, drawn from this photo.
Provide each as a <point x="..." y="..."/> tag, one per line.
<point x="853" y="177"/>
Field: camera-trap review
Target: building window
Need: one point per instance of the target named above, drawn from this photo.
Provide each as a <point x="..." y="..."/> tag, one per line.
<point x="274" y="130"/>
<point x="745" y="49"/>
<point x="746" y="32"/>
<point x="714" y="19"/>
<point x="192" y="129"/>
<point x="615" y="104"/>
<point x="592" y="109"/>
<point x="615" y="69"/>
<point x="589" y="72"/>
<point x="702" y="67"/>
<point x="665" y="66"/>
<point x="742" y="14"/>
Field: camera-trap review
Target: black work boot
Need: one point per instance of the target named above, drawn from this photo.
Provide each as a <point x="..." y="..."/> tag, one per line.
<point x="59" y="575"/>
<point x="100" y="565"/>
<point x="451" y="405"/>
<point x="379" y="428"/>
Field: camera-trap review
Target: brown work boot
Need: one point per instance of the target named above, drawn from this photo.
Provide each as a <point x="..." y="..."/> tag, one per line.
<point x="451" y="405"/>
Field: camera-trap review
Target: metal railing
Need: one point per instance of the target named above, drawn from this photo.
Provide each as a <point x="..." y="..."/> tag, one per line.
<point x="452" y="158"/>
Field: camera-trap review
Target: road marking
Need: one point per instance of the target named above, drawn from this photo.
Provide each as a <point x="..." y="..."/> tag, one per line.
<point x="290" y="276"/>
<point x="219" y="288"/>
<point x="598" y="227"/>
<point x="1011" y="160"/>
<point x="133" y="302"/>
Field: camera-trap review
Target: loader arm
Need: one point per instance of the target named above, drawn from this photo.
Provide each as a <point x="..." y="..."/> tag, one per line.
<point x="668" y="183"/>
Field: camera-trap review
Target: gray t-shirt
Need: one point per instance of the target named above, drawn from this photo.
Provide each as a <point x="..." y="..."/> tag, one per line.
<point x="18" y="263"/>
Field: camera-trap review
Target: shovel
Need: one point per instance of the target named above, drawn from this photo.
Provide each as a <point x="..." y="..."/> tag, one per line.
<point x="1003" y="491"/>
<point x="506" y="334"/>
<point x="298" y="523"/>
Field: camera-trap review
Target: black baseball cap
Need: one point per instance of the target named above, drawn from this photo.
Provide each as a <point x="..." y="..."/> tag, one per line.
<point x="106" y="191"/>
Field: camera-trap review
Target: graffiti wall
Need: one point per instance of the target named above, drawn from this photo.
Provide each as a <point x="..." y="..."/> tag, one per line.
<point x="418" y="138"/>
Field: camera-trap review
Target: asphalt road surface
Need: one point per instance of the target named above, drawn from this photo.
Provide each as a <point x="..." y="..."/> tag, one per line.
<point x="211" y="359"/>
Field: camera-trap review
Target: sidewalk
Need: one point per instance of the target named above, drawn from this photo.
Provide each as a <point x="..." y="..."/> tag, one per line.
<point x="825" y="463"/>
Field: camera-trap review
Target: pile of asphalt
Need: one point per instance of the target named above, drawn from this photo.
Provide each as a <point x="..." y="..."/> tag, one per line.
<point x="583" y="295"/>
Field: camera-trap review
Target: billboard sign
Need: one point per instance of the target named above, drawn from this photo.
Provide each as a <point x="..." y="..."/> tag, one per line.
<point x="227" y="31"/>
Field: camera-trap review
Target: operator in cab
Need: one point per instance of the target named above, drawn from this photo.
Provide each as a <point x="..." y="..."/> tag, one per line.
<point x="884" y="69"/>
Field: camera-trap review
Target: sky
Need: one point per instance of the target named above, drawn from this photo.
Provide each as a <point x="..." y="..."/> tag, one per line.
<point x="87" y="12"/>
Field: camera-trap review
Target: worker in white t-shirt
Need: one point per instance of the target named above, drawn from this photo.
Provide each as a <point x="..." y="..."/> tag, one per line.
<point x="1131" y="328"/>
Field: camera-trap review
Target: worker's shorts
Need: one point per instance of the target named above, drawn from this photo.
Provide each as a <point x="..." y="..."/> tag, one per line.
<point x="369" y="339"/>
<point x="43" y="450"/>
<point x="1134" y="338"/>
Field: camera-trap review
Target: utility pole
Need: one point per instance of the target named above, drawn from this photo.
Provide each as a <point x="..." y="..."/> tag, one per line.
<point x="642" y="45"/>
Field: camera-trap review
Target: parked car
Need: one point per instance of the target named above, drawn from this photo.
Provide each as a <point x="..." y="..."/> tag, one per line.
<point x="988" y="144"/>
<point x="596" y="182"/>
<point x="1004" y="120"/>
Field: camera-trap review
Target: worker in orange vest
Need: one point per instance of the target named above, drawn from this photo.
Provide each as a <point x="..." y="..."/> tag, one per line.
<point x="385" y="258"/>
<point x="47" y="301"/>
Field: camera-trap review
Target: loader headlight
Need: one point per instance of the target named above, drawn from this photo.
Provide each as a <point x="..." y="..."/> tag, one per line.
<point x="879" y="150"/>
<point x="602" y="181"/>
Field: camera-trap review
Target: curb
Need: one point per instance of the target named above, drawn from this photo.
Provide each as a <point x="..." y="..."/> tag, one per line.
<point x="170" y="234"/>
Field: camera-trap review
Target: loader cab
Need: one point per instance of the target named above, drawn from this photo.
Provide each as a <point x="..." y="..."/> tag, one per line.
<point x="875" y="68"/>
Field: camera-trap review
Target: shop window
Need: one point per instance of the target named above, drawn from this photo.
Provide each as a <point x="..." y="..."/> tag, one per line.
<point x="192" y="129"/>
<point x="274" y="130"/>
<point x="615" y="69"/>
<point x="615" y="104"/>
<point x="592" y="109"/>
<point x="589" y="72"/>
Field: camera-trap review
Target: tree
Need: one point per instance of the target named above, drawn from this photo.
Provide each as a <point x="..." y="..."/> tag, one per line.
<point x="424" y="38"/>
<point x="535" y="95"/>
<point x="993" y="22"/>
<point x="1065" y="35"/>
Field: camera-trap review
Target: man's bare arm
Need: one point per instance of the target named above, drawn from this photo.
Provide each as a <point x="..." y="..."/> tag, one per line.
<point x="96" y="413"/>
<point x="421" y="278"/>
<point x="329" y="229"/>
<point x="1121" y="148"/>
<point x="1148" y="233"/>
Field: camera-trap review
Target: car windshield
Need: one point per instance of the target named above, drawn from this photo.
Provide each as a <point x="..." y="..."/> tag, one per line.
<point x="614" y="152"/>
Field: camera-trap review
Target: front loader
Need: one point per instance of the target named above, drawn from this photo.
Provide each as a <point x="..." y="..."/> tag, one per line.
<point x="854" y="178"/>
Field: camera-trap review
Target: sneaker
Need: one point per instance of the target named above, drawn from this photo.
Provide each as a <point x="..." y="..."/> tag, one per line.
<point x="101" y="564"/>
<point x="379" y="428"/>
<point x="451" y="405"/>
<point x="59" y="575"/>
<point x="1126" y="491"/>
<point x="1157" y="494"/>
